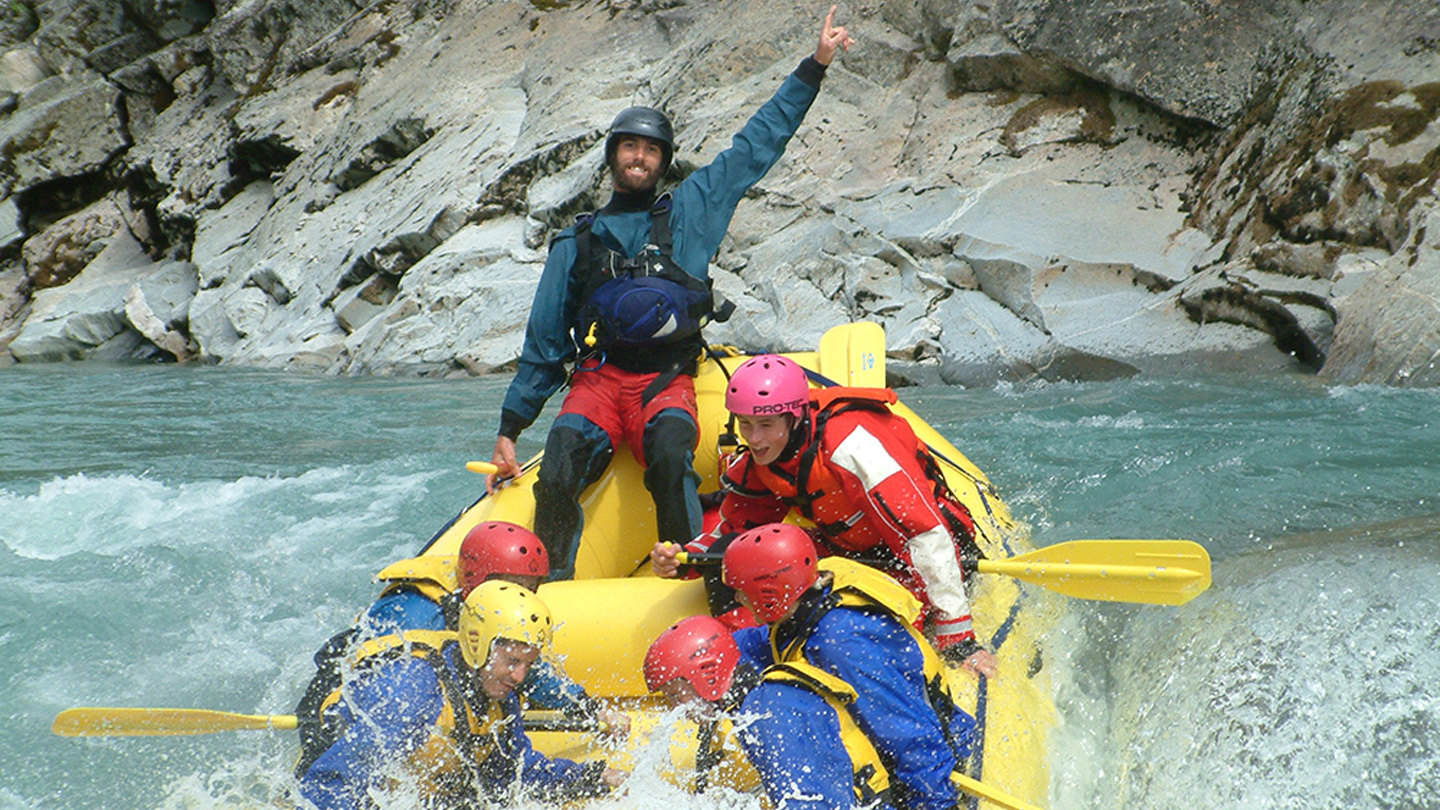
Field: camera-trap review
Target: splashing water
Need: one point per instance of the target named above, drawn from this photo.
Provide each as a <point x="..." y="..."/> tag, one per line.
<point x="189" y="536"/>
<point x="1302" y="680"/>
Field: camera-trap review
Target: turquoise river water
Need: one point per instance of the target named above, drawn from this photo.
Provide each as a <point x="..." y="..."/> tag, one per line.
<point x="188" y="536"/>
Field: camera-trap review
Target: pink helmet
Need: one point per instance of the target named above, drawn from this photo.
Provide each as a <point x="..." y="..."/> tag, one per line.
<point x="768" y="384"/>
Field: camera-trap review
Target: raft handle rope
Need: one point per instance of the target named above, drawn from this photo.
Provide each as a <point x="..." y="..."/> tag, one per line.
<point x="727" y="443"/>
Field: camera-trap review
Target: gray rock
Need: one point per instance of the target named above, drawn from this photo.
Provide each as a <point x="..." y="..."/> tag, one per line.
<point x="357" y="305"/>
<point x="991" y="61"/>
<point x="12" y="231"/>
<point x="1010" y="282"/>
<point x="1017" y="188"/>
<point x="21" y="68"/>
<point x="247" y="311"/>
<point x="273" y="128"/>
<point x="1196" y="60"/>
<point x="70" y="322"/>
<point x="186" y="154"/>
<point x="980" y="340"/>
<point x="228" y="229"/>
<point x="14" y="301"/>
<point x="169" y="289"/>
<point x="106" y="35"/>
<point x="172" y="19"/>
<point x="158" y="308"/>
<point x="551" y="196"/>
<point x="59" y="253"/>
<point x="89" y="33"/>
<point x="63" y="127"/>
<point x="1083" y="116"/>
<point x="211" y="326"/>
<point x="1388" y="330"/>
<point x="463" y="305"/>
<point x="254" y="42"/>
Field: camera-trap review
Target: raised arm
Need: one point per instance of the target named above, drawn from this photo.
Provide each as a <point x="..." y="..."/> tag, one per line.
<point x="832" y="37"/>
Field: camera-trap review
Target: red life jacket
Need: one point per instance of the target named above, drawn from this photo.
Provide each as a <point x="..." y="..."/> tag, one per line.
<point x="807" y="482"/>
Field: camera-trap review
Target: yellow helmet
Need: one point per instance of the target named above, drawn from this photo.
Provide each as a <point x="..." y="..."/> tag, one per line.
<point x="496" y="610"/>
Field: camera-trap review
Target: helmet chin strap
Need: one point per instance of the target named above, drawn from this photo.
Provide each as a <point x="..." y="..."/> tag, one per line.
<point x="799" y="437"/>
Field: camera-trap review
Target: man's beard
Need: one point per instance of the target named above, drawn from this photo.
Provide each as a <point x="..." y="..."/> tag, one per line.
<point x="629" y="184"/>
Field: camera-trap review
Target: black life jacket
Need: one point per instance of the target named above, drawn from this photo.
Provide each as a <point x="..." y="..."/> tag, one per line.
<point x="315" y="734"/>
<point x="644" y="312"/>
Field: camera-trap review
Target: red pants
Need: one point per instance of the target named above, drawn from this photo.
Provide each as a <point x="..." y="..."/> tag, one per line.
<point x="602" y="410"/>
<point x="610" y="398"/>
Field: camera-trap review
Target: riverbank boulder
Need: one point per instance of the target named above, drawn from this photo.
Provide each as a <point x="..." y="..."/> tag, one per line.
<point x="1016" y="189"/>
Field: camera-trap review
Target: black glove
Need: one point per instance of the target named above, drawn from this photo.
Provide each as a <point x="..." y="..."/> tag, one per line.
<point x="957" y="653"/>
<point x="591" y="783"/>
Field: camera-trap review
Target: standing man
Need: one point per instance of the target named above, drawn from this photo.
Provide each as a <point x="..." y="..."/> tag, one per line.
<point x="622" y="298"/>
<point x="437" y="710"/>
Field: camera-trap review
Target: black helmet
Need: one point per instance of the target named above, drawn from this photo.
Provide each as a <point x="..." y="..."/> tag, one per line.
<point x="645" y="122"/>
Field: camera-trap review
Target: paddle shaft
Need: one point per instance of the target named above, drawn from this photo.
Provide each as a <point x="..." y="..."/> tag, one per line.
<point x="148" y="722"/>
<point x="101" y="721"/>
<point x="991" y="793"/>
<point x="96" y="721"/>
<point x="1150" y="572"/>
<point x="698" y="558"/>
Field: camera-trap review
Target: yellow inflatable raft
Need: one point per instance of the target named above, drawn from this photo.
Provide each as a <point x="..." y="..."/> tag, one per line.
<point x="615" y="607"/>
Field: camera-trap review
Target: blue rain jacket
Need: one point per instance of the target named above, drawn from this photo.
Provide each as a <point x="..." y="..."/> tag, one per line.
<point x="875" y="654"/>
<point x="407" y="609"/>
<point x="703" y="206"/>
<point x="391" y="712"/>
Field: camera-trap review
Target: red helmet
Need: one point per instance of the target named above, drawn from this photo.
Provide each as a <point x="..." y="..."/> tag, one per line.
<point x="497" y="547"/>
<point x="772" y="565"/>
<point x="698" y="649"/>
<point x="768" y="384"/>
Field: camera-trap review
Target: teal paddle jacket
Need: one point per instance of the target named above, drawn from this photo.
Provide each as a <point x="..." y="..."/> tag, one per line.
<point x="703" y="206"/>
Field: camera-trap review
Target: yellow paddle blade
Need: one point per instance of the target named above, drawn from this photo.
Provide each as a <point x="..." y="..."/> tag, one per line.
<point x="1152" y="572"/>
<point x="96" y="721"/>
<point x="481" y="467"/>
<point x="994" y="795"/>
<point x="853" y="354"/>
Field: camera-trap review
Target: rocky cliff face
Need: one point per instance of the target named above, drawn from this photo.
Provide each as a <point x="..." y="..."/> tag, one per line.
<point x="1014" y="188"/>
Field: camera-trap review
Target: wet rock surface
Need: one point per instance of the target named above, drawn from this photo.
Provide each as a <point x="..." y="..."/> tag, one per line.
<point x="1016" y="189"/>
